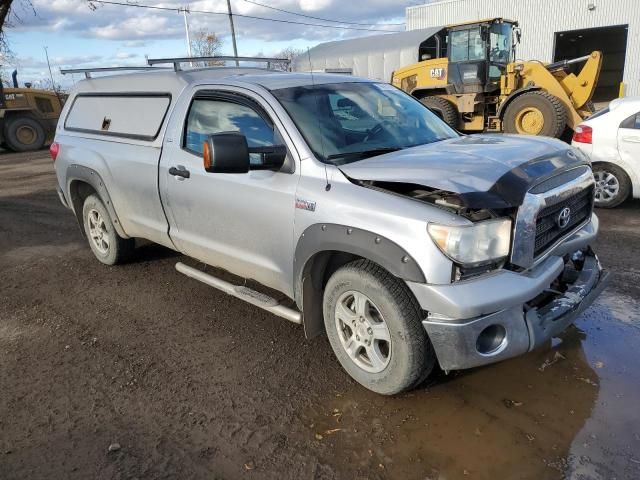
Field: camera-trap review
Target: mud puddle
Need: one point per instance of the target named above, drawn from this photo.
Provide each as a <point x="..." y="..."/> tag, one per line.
<point x="567" y="410"/>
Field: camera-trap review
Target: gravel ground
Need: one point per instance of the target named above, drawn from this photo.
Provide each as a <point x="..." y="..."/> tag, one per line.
<point x="138" y="372"/>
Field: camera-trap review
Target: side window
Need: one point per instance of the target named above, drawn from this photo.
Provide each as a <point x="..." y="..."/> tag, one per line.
<point x="44" y="105"/>
<point x="209" y="116"/>
<point x="459" y="45"/>
<point x="632" y="122"/>
<point x="466" y="45"/>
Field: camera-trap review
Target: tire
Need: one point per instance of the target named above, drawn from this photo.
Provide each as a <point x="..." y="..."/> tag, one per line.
<point x="107" y="246"/>
<point x="24" y="134"/>
<point x="402" y="361"/>
<point x="442" y="107"/>
<point x="613" y="185"/>
<point x="535" y="113"/>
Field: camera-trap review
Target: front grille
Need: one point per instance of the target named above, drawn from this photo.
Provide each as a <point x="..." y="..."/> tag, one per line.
<point x="549" y="232"/>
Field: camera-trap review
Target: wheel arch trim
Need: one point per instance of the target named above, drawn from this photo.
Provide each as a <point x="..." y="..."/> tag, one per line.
<point x="321" y="241"/>
<point x="79" y="173"/>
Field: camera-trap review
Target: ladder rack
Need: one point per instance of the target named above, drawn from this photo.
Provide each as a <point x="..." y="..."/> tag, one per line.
<point x="88" y="71"/>
<point x="179" y="60"/>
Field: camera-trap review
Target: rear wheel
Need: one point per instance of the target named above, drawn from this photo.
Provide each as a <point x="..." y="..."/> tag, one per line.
<point x="374" y="326"/>
<point x="24" y="134"/>
<point x="612" y="185"/>
<point x="442" y="107"/>
<point x="107" y="246"/>
<point x="535" y="113"/>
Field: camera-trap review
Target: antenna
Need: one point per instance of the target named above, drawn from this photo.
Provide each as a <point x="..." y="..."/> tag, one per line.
<point x="315" y="94"/>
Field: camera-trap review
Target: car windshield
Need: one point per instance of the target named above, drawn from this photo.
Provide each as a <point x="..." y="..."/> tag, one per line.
<point x="345" y="122"/>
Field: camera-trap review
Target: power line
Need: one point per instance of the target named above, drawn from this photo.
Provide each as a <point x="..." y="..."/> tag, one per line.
<point x="253" y="17"/>
<point x="323" y="19"/>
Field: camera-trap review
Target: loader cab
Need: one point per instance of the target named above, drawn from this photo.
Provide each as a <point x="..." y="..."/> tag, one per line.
<point x="478" y="54"/>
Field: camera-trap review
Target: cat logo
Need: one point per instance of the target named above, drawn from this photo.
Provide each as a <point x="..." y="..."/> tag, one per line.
<point x="439" y="73"/>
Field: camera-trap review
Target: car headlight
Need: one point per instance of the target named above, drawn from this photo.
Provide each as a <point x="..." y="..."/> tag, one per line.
<point x="475" y="244"/>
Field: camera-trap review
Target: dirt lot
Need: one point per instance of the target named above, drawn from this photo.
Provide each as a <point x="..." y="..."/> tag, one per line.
<point x="194" y="384"/>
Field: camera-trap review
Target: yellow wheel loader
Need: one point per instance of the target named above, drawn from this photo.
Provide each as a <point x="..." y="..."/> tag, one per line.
<point x="469" y="76"/>
<point x="28" y="116"/>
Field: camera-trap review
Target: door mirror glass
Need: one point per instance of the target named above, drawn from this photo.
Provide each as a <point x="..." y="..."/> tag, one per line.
<point x="272" y="158"/>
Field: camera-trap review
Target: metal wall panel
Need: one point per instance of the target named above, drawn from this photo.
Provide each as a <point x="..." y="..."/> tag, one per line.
<point x="540" y="19"/>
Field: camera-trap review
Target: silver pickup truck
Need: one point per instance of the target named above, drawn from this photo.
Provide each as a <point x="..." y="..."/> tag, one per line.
<point x="404" y="242"/>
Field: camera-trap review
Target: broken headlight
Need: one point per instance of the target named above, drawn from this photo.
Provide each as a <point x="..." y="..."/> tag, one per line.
<point x="475" y="244"/>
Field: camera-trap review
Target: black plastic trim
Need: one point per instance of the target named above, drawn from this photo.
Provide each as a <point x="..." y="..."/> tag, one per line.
<point x="84" y="174"/>
<point x="322" y="237"/>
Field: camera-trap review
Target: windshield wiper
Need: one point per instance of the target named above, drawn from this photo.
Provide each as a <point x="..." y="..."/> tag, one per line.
<point x="364" y="153"/>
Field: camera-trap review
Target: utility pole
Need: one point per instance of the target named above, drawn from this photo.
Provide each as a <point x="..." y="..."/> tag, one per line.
<point x="53" y="83"/>
<point x="233" y="33"/>
<point x="185" y="10"/>
<point x="46" y="54"/>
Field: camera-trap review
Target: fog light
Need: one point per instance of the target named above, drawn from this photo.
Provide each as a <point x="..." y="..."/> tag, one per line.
<point x="491" y="339"/>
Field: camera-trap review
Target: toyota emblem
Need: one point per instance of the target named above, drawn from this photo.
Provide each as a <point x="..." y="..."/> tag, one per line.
<point x="564" y="217"/>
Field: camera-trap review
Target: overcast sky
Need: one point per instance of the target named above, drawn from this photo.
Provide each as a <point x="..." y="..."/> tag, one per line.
<point x="78" y="36"/>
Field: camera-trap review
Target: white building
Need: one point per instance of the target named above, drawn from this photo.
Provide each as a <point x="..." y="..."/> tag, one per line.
<point x="556" y="30"/>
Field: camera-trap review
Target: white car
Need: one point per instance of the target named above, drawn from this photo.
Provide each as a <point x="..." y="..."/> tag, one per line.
<point x="611" y="138"/>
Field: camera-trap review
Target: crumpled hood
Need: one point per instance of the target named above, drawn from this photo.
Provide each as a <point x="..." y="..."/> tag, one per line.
<point x="488" y="171"/>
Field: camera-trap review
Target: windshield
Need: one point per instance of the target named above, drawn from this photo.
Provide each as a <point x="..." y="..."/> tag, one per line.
<point x="345" y="122"/>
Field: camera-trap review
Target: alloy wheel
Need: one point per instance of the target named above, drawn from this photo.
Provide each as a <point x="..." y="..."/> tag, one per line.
<point x="363" y="332"/>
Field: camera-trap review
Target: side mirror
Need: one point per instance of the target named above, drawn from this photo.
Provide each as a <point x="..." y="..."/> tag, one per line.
<point x="226" y="152"/>
<point x="273" y="157"/>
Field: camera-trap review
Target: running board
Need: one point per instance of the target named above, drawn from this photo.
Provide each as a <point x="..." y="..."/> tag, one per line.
<point x="244" y="293"/>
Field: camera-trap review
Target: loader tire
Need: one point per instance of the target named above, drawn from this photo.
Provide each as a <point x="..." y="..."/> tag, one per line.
<point x="442" y="107"/>
<point x="536" y="113"/>
<point x="24" y="134"/>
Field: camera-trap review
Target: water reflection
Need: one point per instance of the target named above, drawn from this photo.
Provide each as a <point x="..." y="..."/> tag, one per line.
<point x="566" y="410"/>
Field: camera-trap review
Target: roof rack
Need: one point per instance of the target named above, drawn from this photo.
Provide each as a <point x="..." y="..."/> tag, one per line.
<point x="88" y="71"/>
<point x="177" y="61"/>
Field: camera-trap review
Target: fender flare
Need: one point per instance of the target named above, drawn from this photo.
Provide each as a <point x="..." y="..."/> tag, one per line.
<point x="327" y="238"/>
<point x="322" y="237"/>
<point x="87" y="175"/>
<point x="503" y="106"/>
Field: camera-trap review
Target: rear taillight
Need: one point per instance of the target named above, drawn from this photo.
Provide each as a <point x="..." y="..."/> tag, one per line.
<point x="583" y="134"/>
<point x="54" y="149"/>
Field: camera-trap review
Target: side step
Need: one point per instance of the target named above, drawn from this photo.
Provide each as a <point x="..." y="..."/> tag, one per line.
<point x="244" y="293"/>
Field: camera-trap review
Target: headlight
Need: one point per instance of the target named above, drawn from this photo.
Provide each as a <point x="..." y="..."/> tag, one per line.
<point x="475" y="244"/>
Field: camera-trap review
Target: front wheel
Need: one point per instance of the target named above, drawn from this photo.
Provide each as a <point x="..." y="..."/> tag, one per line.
<point x="375" y="330"/>
<point x="612" y="185"/>
<point x="535" y="113"/>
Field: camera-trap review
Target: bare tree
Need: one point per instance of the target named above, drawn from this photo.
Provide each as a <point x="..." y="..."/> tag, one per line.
<point x="10" y="12"/>
<point x="289" y="53"/>
<point x="206" y="44"/>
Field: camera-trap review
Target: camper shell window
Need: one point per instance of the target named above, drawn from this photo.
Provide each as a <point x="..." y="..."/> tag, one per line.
<point x="129" y="115"/>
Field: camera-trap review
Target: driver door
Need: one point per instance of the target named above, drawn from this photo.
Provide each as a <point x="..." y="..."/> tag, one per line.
<point x="240" y="222"/>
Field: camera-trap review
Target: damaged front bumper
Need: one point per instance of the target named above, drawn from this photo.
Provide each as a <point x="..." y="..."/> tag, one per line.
<point x="482" y="321"/>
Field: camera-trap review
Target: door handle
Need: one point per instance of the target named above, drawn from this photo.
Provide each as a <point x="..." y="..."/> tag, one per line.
<point x="631" y="139"/>
<point x="179" y="172"/>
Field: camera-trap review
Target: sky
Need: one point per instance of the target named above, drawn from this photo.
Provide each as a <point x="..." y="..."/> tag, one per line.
<point x="79" y="36"/>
